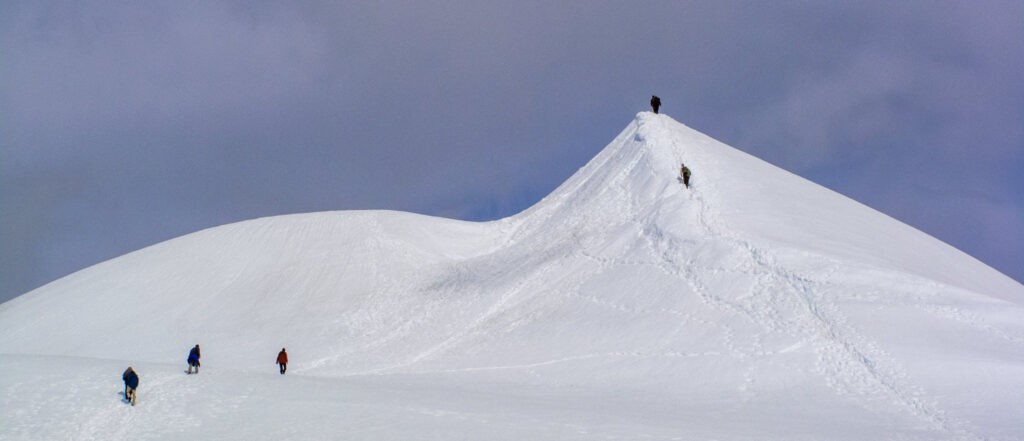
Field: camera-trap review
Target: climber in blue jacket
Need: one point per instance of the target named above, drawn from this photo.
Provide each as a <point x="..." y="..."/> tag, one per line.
<point x="193" y="359"/>
<point x="131" y="382"/>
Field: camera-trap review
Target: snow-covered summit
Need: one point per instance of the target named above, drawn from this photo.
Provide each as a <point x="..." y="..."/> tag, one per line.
<point x="638" y="173"/>
<point x="749" y="293"/>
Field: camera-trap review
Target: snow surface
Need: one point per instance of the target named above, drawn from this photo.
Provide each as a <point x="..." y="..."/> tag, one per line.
<point x="753" y="306"/>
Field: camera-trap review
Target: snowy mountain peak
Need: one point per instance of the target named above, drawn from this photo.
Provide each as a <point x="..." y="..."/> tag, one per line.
<point x="638" y="176"/>
<point x="752" y="286"/>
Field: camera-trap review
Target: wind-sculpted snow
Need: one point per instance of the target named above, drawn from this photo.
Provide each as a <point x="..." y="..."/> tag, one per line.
<point x="752" y="305"/>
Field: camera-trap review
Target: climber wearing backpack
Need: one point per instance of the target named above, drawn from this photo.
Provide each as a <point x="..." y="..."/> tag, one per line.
<point x="193" y="359"/>
<point x="131" y="382"/>
<point x="655" y="103"/>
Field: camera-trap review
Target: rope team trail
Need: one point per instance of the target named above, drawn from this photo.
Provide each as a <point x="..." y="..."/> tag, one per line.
<point x="851" y="364"/>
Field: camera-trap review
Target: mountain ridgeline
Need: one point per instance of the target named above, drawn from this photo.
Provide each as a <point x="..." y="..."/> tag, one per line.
<point x="750" y="283"/>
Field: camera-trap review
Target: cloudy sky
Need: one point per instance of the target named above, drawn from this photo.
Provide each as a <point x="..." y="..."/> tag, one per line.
<point x="123" y="124"/>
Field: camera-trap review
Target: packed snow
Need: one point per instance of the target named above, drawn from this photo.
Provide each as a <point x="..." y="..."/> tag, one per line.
<point x="753" y="305"/>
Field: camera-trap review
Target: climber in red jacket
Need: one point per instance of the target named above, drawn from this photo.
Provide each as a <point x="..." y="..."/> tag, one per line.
<point x="282" y="359"/>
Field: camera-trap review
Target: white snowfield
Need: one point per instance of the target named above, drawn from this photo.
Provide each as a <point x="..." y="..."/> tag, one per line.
<point x="754" y="305"/>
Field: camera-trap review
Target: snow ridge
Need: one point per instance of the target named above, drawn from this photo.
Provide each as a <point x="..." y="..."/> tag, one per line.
<point x="752" y="302"/>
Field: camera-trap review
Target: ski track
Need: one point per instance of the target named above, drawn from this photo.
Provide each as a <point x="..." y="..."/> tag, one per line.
<point x="966" y="318"/>
<point x="852" y="365"/>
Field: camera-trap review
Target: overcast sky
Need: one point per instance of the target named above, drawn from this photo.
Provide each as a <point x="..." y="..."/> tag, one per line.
<point x="123" y="124"/>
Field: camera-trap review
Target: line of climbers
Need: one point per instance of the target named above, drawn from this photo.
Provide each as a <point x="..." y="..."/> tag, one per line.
<point x="684" y="171"/>
<point x="131" y="378"/>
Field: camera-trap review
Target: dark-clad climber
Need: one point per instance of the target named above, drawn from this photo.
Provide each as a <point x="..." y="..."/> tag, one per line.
<point x="193" y="359"/>
<point x="655" y="103"/>
<point x="282" y="360"/>
<point x="685" y="172"/>
<point x="131" y="382"/>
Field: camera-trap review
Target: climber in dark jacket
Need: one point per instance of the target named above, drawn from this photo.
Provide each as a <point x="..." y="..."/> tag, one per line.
<point x="655" y="103"/>
<point x="131" y="382"/>
<point x="193" y="359"/>
<point x="684" y="171"/>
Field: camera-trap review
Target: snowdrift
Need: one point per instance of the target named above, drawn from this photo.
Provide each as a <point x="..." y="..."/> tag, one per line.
<point x="730" y="309"/>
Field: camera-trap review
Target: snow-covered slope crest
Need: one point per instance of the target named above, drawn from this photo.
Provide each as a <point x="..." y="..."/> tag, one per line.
<point x="746" y="294"/>
<point x="756" y="201"/>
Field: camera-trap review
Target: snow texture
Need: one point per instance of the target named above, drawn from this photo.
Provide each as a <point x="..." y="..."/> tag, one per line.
<point x="754" y="305"/>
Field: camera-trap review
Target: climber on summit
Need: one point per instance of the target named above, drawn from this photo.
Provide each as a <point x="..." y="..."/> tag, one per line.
<point x="655" y="103"/>
<point x="684" y="171"/>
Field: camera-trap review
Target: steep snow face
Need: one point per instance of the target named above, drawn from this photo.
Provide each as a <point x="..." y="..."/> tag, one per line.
<point x="639" y="174"/>
<point x="752" y="291"/>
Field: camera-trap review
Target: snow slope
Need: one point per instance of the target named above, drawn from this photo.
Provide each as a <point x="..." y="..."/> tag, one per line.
<point x="754" y="305"/>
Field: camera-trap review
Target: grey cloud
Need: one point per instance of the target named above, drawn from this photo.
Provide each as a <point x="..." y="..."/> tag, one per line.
<point x="123" y="125"/>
